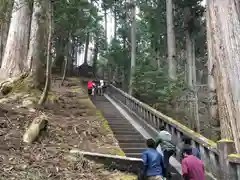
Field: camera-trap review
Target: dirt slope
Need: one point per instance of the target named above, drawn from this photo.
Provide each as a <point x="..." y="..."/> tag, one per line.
<point x="74" y="122"/>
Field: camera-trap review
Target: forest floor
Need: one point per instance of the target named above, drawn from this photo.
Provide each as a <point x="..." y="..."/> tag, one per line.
<point x="74" y="122"/>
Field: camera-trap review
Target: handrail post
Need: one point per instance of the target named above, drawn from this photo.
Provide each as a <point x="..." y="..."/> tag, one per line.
<point x="225" y="148"/>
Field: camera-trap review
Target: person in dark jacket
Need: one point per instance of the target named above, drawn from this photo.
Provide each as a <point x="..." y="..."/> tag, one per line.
<point x="168" y="149"/>
<point x="154" y="168"/>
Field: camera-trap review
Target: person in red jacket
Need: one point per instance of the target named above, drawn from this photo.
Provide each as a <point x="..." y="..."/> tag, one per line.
<point x="192" y="167"/>
<point x="91" y="86"/>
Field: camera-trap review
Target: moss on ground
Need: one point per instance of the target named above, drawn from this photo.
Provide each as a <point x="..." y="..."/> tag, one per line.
<point x="52" y="96"/>
<point x="116" y="151"/>
<point x="125" y="177"/>
<point x="88" y="104"/>
<point x="76" y="89"/>
<point x="29" y="92"/>
<point x="105" y="123"/>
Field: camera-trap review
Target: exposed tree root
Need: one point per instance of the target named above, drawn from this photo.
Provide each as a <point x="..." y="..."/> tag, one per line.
<point x="38" y="124"/>
<point x="8" y="85"/>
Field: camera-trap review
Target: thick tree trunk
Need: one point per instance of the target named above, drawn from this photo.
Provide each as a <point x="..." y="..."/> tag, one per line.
<point x="58" y="63"/>
<point x="191" y="63"/>
<point x="225" y="30"/>
<point x="158" y="59"/>
<point x="3" y="39"/>
<point x="15" y="54"/>
<point x="189" y="60"/>
<point x="95" y="57"/>
<point x="194" y="77"/>
<point x="115" y="19"/>
<point x="72" y="53"/>
<point x="155" y="52"/>
<point x="212" y="96"/>
<point x="71" y="57"/>
<point x="65" y="69"/>
<point x="48" y="67"/>
<point x="171" y="41"/>
<point x="105" y="28"/>
<point x="133" y="46"/>
<point x="35" y="46"/>
<point x="115" y="75"/>
<point x="86" y="48"/>
<point x="6" y="9"/>
<point x="193" y="98"/>
<point x="1" y="44"/>
<point x="66" y="63"/>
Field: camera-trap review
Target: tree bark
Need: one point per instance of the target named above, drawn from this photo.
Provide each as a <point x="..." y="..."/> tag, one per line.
<point x="133" y="46"/>
<point x="225" y="30"/>
<point x="35" y="46"/>
<point x="66" y="60"/>
<point x="191" y="62"/>
<point x="105" y="28"/>
<point x="193" y="98"/>
<point x="4" y="36"/>
<point x="65" y="69"/>
<point x="4" y="27"/>
<point x="59" y="60"/>
<point x="1" y="44"/>
<point x="15" y="54"/>
<point x="158" y="59"/>
<point x="48" y="67"/>
<point x="95" y="57"/>
<point x="194" y="83"/>
<point x="86" y="48"/>
<point x="72" y="59"/>
<point x="212" y="96"/>
<point x="115" y="19"/>
<point x="171" y="41"/>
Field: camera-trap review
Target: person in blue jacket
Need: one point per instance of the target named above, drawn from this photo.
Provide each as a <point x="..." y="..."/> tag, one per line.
<point x="153" y="162"/>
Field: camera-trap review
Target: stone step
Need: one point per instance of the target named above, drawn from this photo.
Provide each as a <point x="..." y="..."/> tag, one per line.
<point x="135" y="155"/>
<point x="131" y="141"/>
<point x="133" y="150"/>
<point x="126" y="131"/>
<point x="120" y="124"/>
<point x="119" y="132"/>
<point x="123" y="127"/>
<point x="116" y="118"/>
<point x="133" y="145"/>
<point x="133" y="137"/>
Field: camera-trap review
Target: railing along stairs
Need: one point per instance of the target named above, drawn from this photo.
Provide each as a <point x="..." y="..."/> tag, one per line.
<point x="220" y="160"/>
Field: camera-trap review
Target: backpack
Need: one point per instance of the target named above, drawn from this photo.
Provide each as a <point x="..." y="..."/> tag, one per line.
<point x="168" y="146"/>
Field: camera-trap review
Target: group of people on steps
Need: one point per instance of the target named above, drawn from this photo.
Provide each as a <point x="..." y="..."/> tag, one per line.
<point x="96" y="86"/>
<point x="156" y="158"/>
